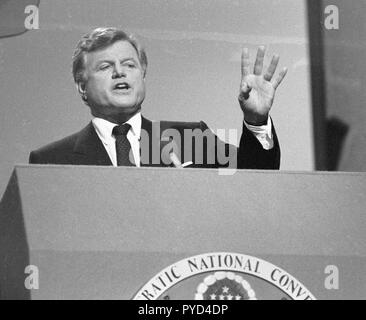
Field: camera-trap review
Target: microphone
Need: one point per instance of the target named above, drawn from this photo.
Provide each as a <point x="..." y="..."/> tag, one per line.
<point x="173" y="157"/>
<point x="175" y="160"/>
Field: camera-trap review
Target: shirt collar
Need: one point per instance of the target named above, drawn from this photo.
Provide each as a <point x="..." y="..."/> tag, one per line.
<point x="135" y="123"/>
<point x="104" y="127"/>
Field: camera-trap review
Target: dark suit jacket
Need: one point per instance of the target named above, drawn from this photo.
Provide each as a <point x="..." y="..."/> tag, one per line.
<point x="85" y="148"/>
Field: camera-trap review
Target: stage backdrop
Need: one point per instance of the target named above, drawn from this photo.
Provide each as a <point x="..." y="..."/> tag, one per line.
<point x="345" y="83"/>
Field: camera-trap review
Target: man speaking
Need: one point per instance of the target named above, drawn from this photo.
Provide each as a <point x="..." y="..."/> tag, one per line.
<point x="109" y="69"/>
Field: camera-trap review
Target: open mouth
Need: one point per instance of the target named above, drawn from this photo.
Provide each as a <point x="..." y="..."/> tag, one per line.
<point x="122" y="86"/>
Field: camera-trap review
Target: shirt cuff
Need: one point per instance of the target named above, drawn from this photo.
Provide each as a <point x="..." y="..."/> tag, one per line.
<point x="262" y="133"/>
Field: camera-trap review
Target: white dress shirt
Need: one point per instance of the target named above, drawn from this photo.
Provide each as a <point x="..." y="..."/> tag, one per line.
<point x="262" y="133"/>
<point x="104" y="129"/>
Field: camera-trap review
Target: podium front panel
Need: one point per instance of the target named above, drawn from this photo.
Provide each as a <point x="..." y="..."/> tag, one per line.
<point x="104" y="232"/>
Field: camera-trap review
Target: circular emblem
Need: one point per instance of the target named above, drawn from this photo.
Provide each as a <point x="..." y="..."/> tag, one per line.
<point x="223" y="276"/>
<point x="224" y="286"/>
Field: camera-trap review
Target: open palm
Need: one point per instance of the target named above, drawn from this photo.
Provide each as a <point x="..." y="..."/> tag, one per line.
<point x="257" y="90"/>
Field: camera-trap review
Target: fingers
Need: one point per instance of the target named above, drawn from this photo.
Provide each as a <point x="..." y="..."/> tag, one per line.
<point x="279" y="79"/>
<point x="258" y="66"/>
<point x="245" y="64"/>
<point x="272" y="67"/>
<point x="258" y="69"/>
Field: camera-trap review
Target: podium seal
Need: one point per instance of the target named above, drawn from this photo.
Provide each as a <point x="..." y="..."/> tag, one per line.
<point x="223" y="276"/>
<point x="224" y="286"/>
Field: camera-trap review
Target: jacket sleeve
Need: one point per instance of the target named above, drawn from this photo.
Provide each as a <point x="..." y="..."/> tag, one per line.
<point x="33" y="158"/>
<point x="251" y="154"/>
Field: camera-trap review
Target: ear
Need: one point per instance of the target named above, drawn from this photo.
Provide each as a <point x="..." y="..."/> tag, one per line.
<point x="81" y="88"/>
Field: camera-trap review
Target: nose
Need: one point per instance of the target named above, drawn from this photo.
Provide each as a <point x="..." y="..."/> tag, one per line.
<point x="118" y="71"/>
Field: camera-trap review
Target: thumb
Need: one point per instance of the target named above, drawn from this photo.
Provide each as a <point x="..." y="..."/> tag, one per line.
<point x="244" y="91"/>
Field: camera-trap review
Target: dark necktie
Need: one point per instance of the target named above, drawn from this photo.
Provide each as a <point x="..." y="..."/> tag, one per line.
<point x="123" y="147"/>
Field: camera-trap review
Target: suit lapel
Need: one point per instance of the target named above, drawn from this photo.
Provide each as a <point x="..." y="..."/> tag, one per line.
<point x="151" y="144"/>
<point x="90" y="148"/>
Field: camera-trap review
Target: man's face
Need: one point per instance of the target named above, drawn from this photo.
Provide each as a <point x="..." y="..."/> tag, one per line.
<point x="115" y="85"/>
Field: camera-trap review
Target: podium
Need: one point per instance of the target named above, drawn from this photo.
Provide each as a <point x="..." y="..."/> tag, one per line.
<point x="109" y="233"/>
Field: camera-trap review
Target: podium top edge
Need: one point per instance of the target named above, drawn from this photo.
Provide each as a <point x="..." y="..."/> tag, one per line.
<point x="254" y="171"/>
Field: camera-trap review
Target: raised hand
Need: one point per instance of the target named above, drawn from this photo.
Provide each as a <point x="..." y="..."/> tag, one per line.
<point x="257" y="91"/>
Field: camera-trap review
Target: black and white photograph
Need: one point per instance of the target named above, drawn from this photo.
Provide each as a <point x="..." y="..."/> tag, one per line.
<point x="182" y="150"/>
